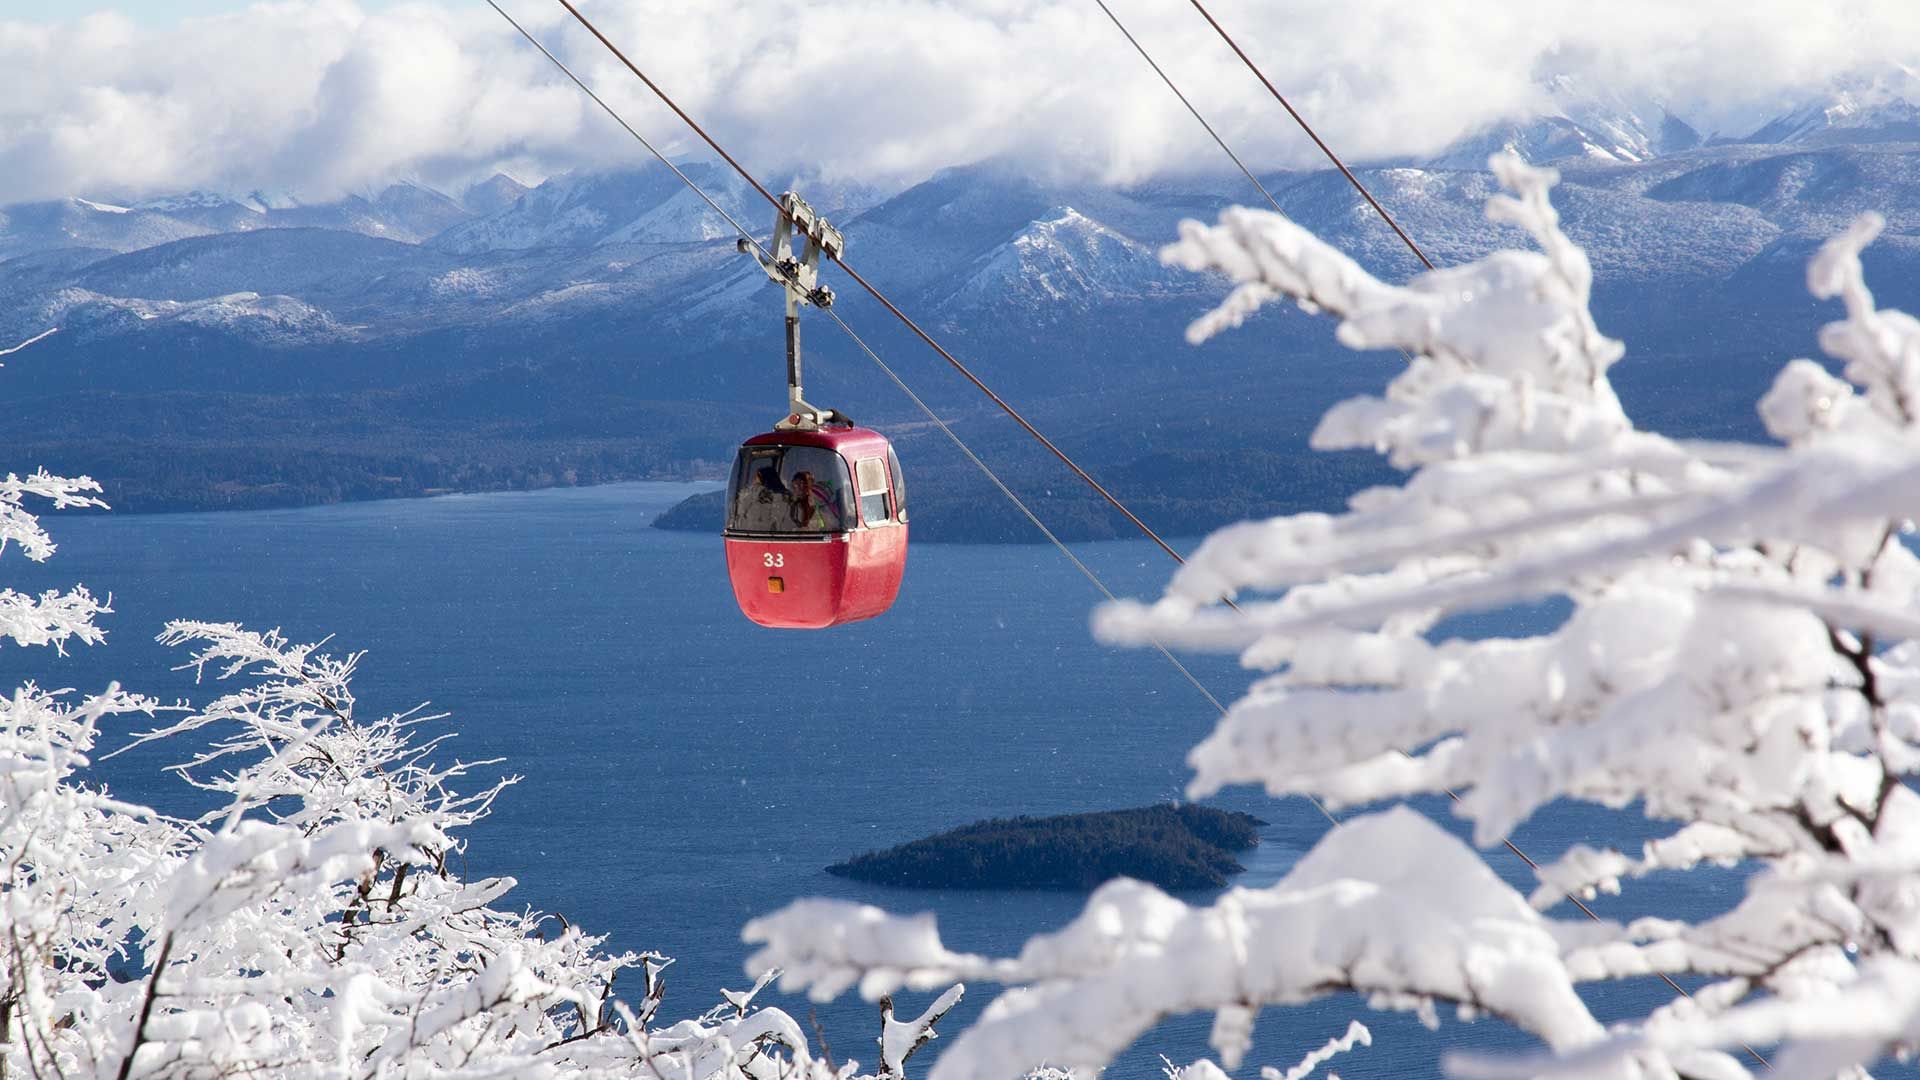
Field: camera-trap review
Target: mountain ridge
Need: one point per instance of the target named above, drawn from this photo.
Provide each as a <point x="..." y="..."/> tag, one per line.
<point x="1052" y="291"/>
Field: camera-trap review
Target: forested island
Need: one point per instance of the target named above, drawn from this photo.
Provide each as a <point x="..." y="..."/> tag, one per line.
<point x="1174" y="847"/>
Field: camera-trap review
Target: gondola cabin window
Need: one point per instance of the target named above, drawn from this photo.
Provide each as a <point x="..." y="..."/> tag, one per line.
<point x="876" y="502"/>
<point x="899" y="486"/>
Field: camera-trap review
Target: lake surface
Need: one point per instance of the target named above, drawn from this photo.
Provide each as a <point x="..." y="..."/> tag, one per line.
<point x="683" y="770"/>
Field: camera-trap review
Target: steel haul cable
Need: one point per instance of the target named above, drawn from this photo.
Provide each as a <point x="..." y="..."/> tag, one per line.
<point x="1165" y="78"/>
<point x="1218" y="139"/>
<point x="1221" y="140"/>
<point x="931" y="415"/>
<point x="1311" y="134"/>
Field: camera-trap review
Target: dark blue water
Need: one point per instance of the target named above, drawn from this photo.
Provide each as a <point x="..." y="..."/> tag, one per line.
<point x="683" y="770"/>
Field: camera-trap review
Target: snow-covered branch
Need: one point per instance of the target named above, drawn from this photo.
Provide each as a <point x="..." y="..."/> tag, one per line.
<point x="1357" y="1034"/>
<point x="1361" y="912"/>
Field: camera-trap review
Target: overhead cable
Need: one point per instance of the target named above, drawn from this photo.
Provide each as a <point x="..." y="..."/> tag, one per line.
<point x="1311" y="134"/>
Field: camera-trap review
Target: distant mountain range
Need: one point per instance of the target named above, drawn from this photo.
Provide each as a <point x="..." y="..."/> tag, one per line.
<point x="1579" y="120"/>
<point x="236" y="350"/>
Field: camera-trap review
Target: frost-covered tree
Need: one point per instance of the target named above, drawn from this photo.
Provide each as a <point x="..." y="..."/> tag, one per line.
<point x="1740" y="663"/>
<point x="312" y="925"/>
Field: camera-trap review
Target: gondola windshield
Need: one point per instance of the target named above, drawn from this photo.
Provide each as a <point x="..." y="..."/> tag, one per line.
<point x="782" y="490"/>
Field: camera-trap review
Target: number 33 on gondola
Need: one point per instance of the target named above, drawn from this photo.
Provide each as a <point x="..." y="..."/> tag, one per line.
<point x="816" y="531"/>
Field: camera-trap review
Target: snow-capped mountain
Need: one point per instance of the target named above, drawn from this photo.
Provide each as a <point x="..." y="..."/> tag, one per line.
<point x="570" y="211"/>
<point x="645" y="205"/>
<point x="1882" y="107"/>
<point x="409" y="213"/>
<point x="1068" y="261"/>
<point x="682" y="217"/>
<point x="264" y="320"/>
<point x="494" y="194"/>
<point x="1577" y="120"/>
<point x="213" y="210"/>
<point x="595" y="307"/>
<point x="84" y="223"/>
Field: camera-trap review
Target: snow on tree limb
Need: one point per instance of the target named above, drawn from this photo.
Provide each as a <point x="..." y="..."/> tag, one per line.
<point x="900" y="1039"/>
<point x="1506" y="353"/>
<point x="1357" y="1033"/>
<point x="1343" y="918"/>
<point x="53" y="617"/>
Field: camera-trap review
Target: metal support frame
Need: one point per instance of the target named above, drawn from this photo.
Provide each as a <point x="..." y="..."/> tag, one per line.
<point x="800" y="280"/>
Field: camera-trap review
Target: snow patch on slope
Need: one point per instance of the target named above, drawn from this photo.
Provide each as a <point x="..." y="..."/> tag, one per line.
<point x="74" y="222"/>
<point x="279" y="320"/>
<point x="1883" y="107"/>
<point x="1065" y="259"/>
<point x="1576" y="121"/>
<point x="681" y="218"/>
<point x="465" y="282"/>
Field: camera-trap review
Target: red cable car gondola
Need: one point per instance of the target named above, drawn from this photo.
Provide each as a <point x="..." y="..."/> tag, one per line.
<point x="816" y="529"/>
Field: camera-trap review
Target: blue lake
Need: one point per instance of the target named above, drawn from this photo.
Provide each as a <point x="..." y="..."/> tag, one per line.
<point x="683" y="770"/>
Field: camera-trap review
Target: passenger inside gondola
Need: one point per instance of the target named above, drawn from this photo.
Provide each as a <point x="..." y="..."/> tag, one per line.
<point x="789" y="489"/>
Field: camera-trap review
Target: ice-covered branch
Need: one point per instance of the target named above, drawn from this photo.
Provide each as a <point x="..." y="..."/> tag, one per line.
<point x="1346" y="917"/>
<point x="1506" y="352"/>
<point x="18" y="526"/>
<point x="1357" y="1034"/>
<point x="315" y="925"/>
<point x="899" y="1039"/>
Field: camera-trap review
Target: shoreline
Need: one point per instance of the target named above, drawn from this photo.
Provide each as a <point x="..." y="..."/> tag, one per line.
<point x="691" y="487"/>
<point x="173" y="510"/>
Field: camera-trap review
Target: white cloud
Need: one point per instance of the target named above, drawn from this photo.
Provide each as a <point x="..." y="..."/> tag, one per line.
<point x="321" y="97"/>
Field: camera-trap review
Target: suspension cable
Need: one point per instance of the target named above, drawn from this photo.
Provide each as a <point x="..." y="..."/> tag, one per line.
<point x="1021" y="505"/>
<point x="915" y="398"/>
<point x="1051" y="536"/>
<point x="1218" y="139"/>
<point x="618" y="119"/>
<point x="1018" y="503"/>
<point x="1165" y="78"/>
<point x="1311" y="134"/>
